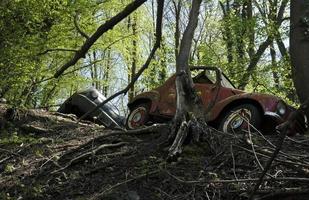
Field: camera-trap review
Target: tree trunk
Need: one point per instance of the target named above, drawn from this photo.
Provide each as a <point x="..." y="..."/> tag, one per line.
<point x="134" y="56"/>
<point x="251" y="29"/>
<point x="95" y="71"/>
<point x="106" y="73"/>
<point x="189" y="113"/>
<point x="299" y="41"/>
<point x="227" y="32"/>
<point x="177" y="7"/>
<point x="299" y="47"/>
<point x="274" y="65"/>
<point x="278" y="19"/>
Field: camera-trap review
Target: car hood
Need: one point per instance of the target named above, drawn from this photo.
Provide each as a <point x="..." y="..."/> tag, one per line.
<point x="255" y="95"/>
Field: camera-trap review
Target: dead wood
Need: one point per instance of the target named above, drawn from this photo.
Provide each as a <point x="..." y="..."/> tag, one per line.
<point x="189" y="118"/>
<point x="284" y="129"/>
<point x="34" y="129"/>
<point x="90" y="162"/>
<point x="88" y="154"/>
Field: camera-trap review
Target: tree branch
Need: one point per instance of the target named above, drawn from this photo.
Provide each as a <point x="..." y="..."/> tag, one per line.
<point x="79" y="30"/>
<point x="284" y="128"/>
<point x="99" y="32"/>
<point x="145" y="66"/>
<point x="256" y="57"/>
<point x="56" y="49"/>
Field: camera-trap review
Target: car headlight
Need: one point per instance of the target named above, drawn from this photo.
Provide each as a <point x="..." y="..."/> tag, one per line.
<point x="94" y="94"/>
<point x="281" y="108"/>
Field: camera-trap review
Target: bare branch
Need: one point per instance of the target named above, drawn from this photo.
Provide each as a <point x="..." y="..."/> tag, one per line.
<point x="79" y="30"/>
<point x="146" y="64"/>
<point x="99" y="32"/>
<point x="56" y="49"/>
<point x="256" y="57"/>
<point x="284" y="128"/>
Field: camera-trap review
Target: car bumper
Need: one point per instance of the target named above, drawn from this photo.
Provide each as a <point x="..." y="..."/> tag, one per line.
<point x="274" y="115"/>
<point x="298" y="126"/>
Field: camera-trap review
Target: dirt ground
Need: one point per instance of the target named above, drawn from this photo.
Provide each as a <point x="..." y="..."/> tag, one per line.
<point x="45" y="155"/>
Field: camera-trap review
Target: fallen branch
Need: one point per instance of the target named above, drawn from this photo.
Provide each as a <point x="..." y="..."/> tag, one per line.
<point x="276" y="194"/>
<point x="284" y="128"/>
<point x="100" y="195"/>
<point x="89" y="154"/>
<point x="227" y="181"/>
<point x="34" y="129"/>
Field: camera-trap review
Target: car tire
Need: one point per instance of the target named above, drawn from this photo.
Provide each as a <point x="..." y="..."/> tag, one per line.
<point x="138" y="117"/>
<point x="234" y="120"/>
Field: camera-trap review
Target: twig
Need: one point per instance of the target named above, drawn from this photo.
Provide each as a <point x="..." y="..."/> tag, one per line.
<point x="276" y="159"/>
<point x="79" y="30"/>
<point x="284" y="131"/>
<point x="88" y="154"/>
<point x="231" y="146"/>
<point x="5" y="150"/>
<point x="143" y="68"/>
<point x="56" y="49"/>
<point x="226" y="181"/>
<point x="98" y="196"/>
<point x="275" y="194"/>
<point x="99" y="32"/>
<point x="5" y="159"/>
<point x="34" y="129"/>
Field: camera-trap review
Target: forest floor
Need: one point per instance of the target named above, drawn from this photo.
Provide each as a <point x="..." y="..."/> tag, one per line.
<point x="47" y="155"/>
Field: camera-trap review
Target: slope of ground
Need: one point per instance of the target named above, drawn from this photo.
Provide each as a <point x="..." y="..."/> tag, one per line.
<point x="47" y="155"/>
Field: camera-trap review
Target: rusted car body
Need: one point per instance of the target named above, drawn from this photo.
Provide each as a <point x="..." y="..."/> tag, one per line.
<point x="218" y="95"/>
<point x="83" y="101"/>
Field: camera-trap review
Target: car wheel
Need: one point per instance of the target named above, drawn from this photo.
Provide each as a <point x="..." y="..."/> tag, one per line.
<point x="241" y="119"/>
<point x="138" y="116"/>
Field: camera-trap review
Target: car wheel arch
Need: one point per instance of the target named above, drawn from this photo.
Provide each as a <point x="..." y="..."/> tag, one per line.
<point x="233" y="104"/>
<point x="139" y="101"/>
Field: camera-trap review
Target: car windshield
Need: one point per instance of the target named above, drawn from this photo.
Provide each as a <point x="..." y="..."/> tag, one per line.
<point x="225" y="82"/>
<point x="109" y="105"/>
<point x="209" y="77"/>
<point x="205" y="76"/>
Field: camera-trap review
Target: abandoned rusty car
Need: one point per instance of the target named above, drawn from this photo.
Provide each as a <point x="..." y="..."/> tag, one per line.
<point x="230" y="109"/>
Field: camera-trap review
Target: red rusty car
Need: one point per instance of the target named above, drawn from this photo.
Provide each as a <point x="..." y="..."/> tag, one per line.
<point x="230" y="110"/>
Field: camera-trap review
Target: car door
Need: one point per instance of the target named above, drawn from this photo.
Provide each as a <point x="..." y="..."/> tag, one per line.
<point x="205" y="85"/>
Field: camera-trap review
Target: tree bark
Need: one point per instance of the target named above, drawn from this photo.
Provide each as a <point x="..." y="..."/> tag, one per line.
<point x="106" y="73"/>
<point x="299" y="47"/>
<point x="227" y="32"/>
<point x="189" y="113"/>
<point x="256" y="57"/>
<point x="274" y="65"/>
<point x="133" y="25"/>
<point x="177" y="7"/>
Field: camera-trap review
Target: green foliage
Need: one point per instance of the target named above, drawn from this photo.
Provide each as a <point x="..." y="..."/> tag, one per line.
<point x="38" y="37"/>
<point x="9" y="168"/>
<point x="17" y="139"/>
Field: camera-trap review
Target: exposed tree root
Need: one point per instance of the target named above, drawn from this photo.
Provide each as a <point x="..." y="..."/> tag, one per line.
<point x="88" y="154"/>
<point x="110" y="164"/>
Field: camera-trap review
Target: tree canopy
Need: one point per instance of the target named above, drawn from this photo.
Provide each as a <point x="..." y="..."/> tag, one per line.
<point x="247" y="39"/>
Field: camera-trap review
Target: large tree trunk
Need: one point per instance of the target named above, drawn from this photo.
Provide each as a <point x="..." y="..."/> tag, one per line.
<point x="177" y="7"/>
<point x="227" y="32"/>
<point x="299" y="47"/>
<point x="133" y="25"/>
<point x="189" y="117"/>
<point x="274" y="66"/>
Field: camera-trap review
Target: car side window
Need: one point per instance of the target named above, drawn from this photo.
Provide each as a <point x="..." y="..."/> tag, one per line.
<point x="212" y="76"/>
<point x="201" y="78"/>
